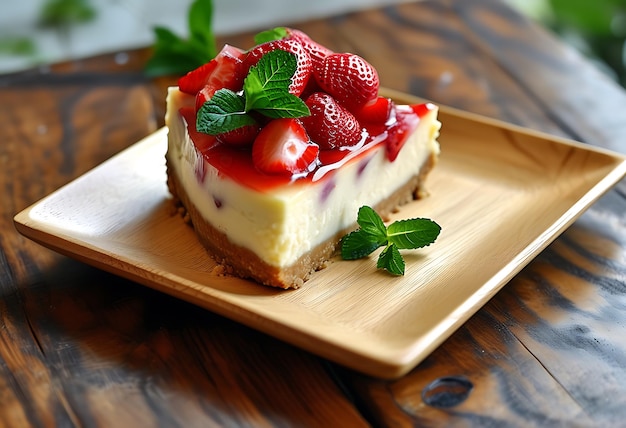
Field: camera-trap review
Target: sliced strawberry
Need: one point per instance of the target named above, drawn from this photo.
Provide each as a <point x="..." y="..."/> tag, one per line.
<point x="304" y="68"/>
<point x="423" y="109"/>
<point x="406" y="120"/>
<point x="376" y="112"/>
<point x="349" y="78"/>
<point x="203" y="142"/>
<point x="193" y="81"/>
<point x="223" y="71"/>
<point x="283" y="147"/>
<point x="241" y="136"/>
<point x="316" y="51"/>
<point x="204" y="95"/>
<point x="330" y="125"/>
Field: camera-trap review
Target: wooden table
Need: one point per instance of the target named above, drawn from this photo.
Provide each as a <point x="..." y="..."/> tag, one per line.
<point x="82" y="347"/>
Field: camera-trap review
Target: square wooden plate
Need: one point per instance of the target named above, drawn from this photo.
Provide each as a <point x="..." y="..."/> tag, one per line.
<point x="500" y="193"/>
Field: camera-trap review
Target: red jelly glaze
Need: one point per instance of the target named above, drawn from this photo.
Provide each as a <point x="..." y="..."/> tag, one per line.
<point x="236" y="162"/>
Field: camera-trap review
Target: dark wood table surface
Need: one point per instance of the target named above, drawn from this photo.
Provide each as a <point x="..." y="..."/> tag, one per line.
<point x="81" y="347"/>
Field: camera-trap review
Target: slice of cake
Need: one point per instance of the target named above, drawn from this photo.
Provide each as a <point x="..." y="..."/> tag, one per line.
<point x="272" y="151"/>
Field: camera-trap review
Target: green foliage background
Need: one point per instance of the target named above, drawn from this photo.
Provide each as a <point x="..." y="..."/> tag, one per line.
<point x="595" y="27"/>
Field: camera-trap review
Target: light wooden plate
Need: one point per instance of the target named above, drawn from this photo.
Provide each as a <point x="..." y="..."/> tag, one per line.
<point x="500" y="193"/>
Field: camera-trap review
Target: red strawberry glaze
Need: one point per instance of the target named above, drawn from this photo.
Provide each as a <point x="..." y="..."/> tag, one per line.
<point x="236" y="163"/>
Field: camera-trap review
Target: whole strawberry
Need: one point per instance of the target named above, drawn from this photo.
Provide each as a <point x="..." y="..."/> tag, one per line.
<point x="330" y="125"/>
<point x="305" y="66"/>
<point x="316" y="51"/>
<point x="349" y="79"/>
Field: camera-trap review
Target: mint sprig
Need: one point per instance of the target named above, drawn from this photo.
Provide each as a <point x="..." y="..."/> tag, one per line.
<point x="266" y="88"/>
<point x="400" y="235"/>
<point x="174" y="55"/>
<point x="265" y="91"/>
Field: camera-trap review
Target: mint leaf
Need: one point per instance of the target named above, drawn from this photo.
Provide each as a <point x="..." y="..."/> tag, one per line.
<point x="357" y="245"/>
<point x="413" y="233"/>
<point x="174" y="55"/>
<point x="270" y="35"/>
<point x="199" y="19"/>
<point x="276" y="106"/>
<point x="371" y="223"/>
<point x="266" y="86"/>
<point x="265" y="90"/>
<point x="273" y="71"/>
<point x="391" y="260"/>
<point x="165" y="36"/>
<point x="171" y="55"/>
<point x="400" y="235"/>
<point x="224" y="112"/>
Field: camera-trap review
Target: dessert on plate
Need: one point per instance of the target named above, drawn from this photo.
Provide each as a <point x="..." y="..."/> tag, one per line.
<point x="272" y="150"/>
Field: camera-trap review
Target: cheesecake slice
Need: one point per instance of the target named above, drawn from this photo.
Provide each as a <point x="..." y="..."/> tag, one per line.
<point x="277" y="222"/>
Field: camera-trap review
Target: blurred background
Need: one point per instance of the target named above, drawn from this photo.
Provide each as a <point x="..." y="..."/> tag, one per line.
<point x="36" y="32"/>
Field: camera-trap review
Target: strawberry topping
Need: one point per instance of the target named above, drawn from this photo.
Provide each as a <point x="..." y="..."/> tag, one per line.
<point x="339" y="89"/>
<point x="193" y="81"/>
<point x="406" y="120"/>
<point x="304" y="69"/>
<point x="330" y="125"/>
<point x="242" y="136"/>
<point x="223" y="71"/>
<point x="283" y="147"/>
<point x="376" y="112"/>
<point x="316" y="51"/>
<point x="349" y="78"/>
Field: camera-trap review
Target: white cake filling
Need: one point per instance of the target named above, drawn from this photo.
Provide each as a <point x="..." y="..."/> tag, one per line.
<point x="282" y="225"/>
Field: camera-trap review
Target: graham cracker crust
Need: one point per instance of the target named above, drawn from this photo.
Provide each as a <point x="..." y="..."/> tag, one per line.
<point x="242" y="262"/>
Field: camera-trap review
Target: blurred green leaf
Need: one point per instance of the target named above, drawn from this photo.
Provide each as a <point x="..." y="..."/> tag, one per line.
<point x="597" y="28"/>
<point x="584" y="16"/>
<point x="200" y="21"/>
<point x="17" y="46"/>
<point x="63" y="13"/>
<point x="174" y="55"/>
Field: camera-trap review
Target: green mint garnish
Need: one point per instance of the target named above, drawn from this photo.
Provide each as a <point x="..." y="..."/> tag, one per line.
<point x="265" y="90"/>
<point x="224" y="112"/>
<point x="400" y="235"/>
<point x="266" y="87"/>
<point x="277" y="33"/>
<point x="174" y="55"/>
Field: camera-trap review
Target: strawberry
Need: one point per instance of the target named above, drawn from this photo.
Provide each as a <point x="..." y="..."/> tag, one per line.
<point x="422" y="109"/>
<point x="303" y="70"/>
<point x="283" y="147"/>
<point x="376" y="112"/>
<point x="240" y="136"/>
<point x="204" y="142"/>
<point x="193" y="81"/>
<point x="316" y="51"/>
<point x="330" y="125"/>
<point x="398" y="132"/>
<point x="223" y="71"/>
<point x="204" y="95"/>
<point x="349" y="78"/>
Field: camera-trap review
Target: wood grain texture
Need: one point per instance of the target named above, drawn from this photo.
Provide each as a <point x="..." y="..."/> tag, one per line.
<point x="79" y="347"/>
